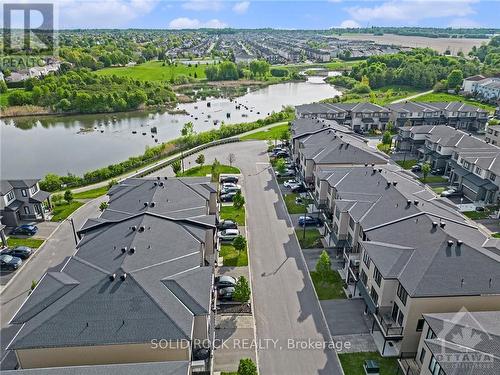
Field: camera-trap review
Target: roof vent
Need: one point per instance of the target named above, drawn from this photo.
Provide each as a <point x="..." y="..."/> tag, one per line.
<point x="408" y="202"/>
<point x="141" y="228"/>
<point x="146" y="204"/>
<point x="380" y="170"/>
<point x="374" y="171"/>
<point x="112" y="277"/>
<point x="373" y="164"/>
<point x="124" y="249"/>
<point x="442" y="224"/>
<point x="388" y="183"/>
<point x="341" y="136"/>
<point x="346" y="145"/>
<point x="434" y="224"/>
<point x="132" y="250"/>
<point x="166" y="178"/>
<point x="394" y="183"/>
<point x="459" y="242"/>
<point x="161" y="183"/>
<point x="123" y="277"/>
<point x="134" y="228"/>
<point x="152" y="204"/>
<point x="155" y="183"/>
<point x="158" y="178"/>
<point x="415" y="203"/>
<point x="450" y="243"/>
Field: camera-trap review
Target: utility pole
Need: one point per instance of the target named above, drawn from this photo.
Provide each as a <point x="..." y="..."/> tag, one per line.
<point x="182" y="161"/>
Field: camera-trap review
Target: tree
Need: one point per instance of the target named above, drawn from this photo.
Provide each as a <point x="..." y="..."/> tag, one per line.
<point x="387" y="138"/>
<point x="200" y="159"/>
<point x="56" y="198"/>
<point x="51" y="182"/>
<point x="455" y="79"/>
<point x="103" y="206"/>
<point x="280" y="166"/>
<point x="247" y="367"/>
<point x="285" y="136"/>
<point x="231" y="158"/>
<point x="3" y="87"/>
<point x="426" y="168"/>
<point x="188" y="130"/>
<point x="238" y="200"/>
<point x="68" y="196"/>
<point x="176" y="166"/>
<point x="242" y="290"/>
<point x="324" y="266"/>
<point x="215" y="171"/>
<point x="240" y="243"/>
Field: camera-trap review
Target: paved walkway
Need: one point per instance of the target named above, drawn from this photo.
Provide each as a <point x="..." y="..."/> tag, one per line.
<point x="412" y="96"/>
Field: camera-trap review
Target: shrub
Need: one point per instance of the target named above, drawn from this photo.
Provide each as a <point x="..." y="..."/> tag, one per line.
<point x="242" y="290"/>
<point x="68" y="196"/>
<point x="247" y="367"/>
<point x="238" y="200"/>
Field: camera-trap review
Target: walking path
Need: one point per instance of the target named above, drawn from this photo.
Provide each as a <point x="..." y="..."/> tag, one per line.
<point x="412" y="96"/>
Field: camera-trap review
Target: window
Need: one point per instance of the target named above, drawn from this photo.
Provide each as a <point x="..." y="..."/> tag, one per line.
<point x="395" y="311"/>
<point x="24" y="192"/>
<point x="33" y="189"/>
<point x="422" y="356"/>
<point x="402" y="294"/>
<point x="374" y="296"/>
<point x="420" y="325"/>
<point x="10" y="196"/>
<point x="363" y="277"/>
<point x="493" y="176"/>
<point x="337" y="213"/>
<point x="366" y="259"/>
<point x="435" y="367"/>
<point x="478" y="170"/>
<point x="430" y="334"/>
<point x="377" y="276"/>
<point x="351" y="223"/>
<point x="401" y="317"/>
<point x="26" y="210"/>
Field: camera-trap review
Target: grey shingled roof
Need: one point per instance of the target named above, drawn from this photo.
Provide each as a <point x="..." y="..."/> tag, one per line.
<point x="151" y="368"/>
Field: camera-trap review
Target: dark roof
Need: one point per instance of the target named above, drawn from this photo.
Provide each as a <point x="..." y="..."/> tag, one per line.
<point x="15" y="205"/>
<point x="39" y="196"/>
<point x="23" y="183"/>
<point x="152" y="368"/>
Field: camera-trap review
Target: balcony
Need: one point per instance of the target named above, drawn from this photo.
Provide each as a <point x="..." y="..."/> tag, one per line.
<point x="408" y="364"/>
<point x="388" y="326"/>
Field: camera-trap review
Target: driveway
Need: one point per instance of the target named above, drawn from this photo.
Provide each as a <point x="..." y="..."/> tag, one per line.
<point x="345" y="316"/>
<point x="59" y="246"/>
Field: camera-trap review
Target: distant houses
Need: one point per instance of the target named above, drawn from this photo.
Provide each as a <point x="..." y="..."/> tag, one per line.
<point x="486" y="88"/>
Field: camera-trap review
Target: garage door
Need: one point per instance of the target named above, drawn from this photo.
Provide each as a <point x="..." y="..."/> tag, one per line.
<point x="469" y="192"/>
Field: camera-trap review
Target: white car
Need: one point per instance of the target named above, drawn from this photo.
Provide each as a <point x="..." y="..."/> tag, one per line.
<point x="230" y="185"/>
<point x="228" y="234"/>
<point x="290" y="183"/>
<point x="451" y="192"/>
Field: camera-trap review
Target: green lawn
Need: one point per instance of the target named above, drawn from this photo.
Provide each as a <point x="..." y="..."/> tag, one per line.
<point x="155" y="71"/>
<point x="352" y="363"/>
<point x="439" y="189"/>
<point x="291" y="206"/>
<point x="445" y="97"/>
<point x="231" y="256"/>
<point x="407" y="164"/>
<point x="433" y="179"/>
<point x="229" y="212"/>
<point x="91" y="194"/>
<point x="272" y="133"/>
<point x="477" y="215"/>
<point x="30" y="242"/>
<point x="63" y="210"/>
<point x="203" y="170"/>
<point x="496" y="235"/>
<point x="312" y="239"/>
<point x="330" y="288"/>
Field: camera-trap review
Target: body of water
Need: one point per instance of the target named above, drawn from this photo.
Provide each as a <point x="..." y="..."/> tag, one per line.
<point x="32" y="147"/>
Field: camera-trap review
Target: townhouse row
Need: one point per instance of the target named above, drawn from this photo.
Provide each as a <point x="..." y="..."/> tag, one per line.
<point x="363" y="117"/>
<point x="409" y="255"/>
<point x="136" y="296"/>
<point x="472" y="165"/>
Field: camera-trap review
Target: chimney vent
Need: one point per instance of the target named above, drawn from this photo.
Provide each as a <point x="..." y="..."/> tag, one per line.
<point x="373" y="164"/>
<point x="161" y="184"/>
<point x="123" y="277"/>
<point x="166" y="178"/>
<point x="408" y="203"/>
<point x="124" y="249"/>
<point x="388" y="184"/>
<point x="158" y="178"/>
<point x="442" y="224"/>
<point x="155" y="183"/>
<point x="132" y="250"/>
<point x="459" y="242"/>
<point x="450" y="243"/>
<point x="146" y="204"/>
<point x="434" y="224"/>
<point x="152" y="204"/>
<point x="134" y="228"/>
<point x="380" y="170"/>
<point x="394" y="183"/>
<point x="141" y="228"/>
<point x="112" y="277"/>
<point x="415" y="203"/>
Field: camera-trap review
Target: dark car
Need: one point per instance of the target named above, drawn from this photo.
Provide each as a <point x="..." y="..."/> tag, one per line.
<point x="225" y="281"/>
<point x="8" y="262"/>
<point x="227" y="197"/>
<point x="23" y="252"/>
<point x="229" y="179"/>
<point x="227" y="224"/>
<point x="309" y="221"/>
<point x="226" y="294"/>
<point x="437" y="171"/>
<point x="26" y="229"/>
<point x="298" y="189"/>
<point x="416" y="168"/>
<point x="286" y="173"/>
<point x="281" y="154"/>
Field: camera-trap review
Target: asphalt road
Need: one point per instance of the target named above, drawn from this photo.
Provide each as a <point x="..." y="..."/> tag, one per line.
<point x="60" y="245"/>
<point x="285" y="305"/>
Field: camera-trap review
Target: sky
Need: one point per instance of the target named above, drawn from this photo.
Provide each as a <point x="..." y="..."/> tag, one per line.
<point x="283" y="14"/>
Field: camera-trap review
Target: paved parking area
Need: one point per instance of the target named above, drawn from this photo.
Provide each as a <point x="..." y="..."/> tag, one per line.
<point x="345" y="316"/>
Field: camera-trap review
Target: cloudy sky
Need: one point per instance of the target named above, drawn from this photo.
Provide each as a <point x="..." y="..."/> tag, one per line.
<point x="277" y="14"/>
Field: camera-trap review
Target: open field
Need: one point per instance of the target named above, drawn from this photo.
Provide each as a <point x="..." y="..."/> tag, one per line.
<point x="270" y="134"/>
<point x="445" y="97"/>
<point x="155" y="71"/>
<point x="439" y="44"/>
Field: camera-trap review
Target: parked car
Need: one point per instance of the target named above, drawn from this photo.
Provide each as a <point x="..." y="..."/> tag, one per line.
<point x="226" y="294"/>
<point x="281" y="154"/>
<point x="417" y="168"/>
<point x="291" y="182"/>
<point x="229" y="189"/>
<point x="26" y="229"/>
<point x="298" y="188"/>
<point x="23" y="252"/>
<point x="224" y="281"/>
<point x="229" y="179"/>
<point x="451" y="192"/>
<point x="228" y="197"/>
<point x="8" y="262"/>
<point x="278" y="149"/>
<point x="286" y="173"/>
<point x="230" y="185"/>
<point x="309" y="221"/>
<point x="227" y="224"/>
<point x="437" y="171"/>
<point x="228" y="234"/>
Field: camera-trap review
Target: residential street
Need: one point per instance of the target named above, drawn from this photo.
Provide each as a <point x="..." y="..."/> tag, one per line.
<point x="285" y="305"/>
<point x="60" y="245"/>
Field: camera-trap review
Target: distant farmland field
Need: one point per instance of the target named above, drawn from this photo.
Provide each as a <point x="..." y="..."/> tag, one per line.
<point x="155" y="71"/>
<point x="439" y="44"/>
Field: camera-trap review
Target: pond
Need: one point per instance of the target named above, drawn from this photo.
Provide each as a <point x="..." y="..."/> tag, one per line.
<point x="32" y="147"/>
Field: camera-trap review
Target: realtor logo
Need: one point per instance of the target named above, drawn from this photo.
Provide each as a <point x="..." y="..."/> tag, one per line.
<point x="28" y="27"/>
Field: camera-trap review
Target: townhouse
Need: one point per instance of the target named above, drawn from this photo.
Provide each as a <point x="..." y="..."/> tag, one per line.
<point x="22" y="200"/>
<point x="138" y="288"/>
<point x="493" y="135"/>
<point x="332" y="148"/>
<point x="461" y="343"/>
<point x="471" y="164"/>
<point x="455" y="114"/>
<point x="360" y="117"/>
<point x="486" y="88"/>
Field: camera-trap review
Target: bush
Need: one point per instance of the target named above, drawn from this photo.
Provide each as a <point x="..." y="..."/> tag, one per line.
<point x="247" y="367"/>
<point x="103" y="206"/>
<point x="361" y="88"/>
<point x="68" y="196"/>
<point x="56" y="198"/>
<point x="238" y="200"/>
<point x="240" y="243"/>
<point x="242" y="290"/>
